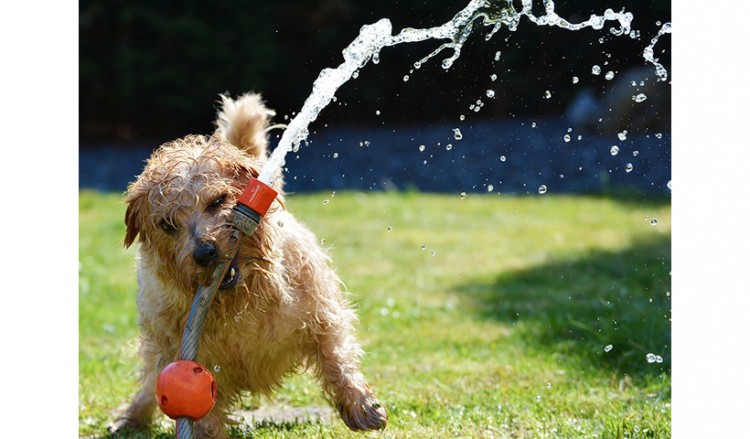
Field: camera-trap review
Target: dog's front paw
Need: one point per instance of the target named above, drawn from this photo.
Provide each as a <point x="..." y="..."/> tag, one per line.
<point x="124" y="424"/>
<point x="364" y="413"/>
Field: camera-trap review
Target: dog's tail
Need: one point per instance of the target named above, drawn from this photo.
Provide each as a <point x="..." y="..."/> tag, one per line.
<point x="243" y="123"/>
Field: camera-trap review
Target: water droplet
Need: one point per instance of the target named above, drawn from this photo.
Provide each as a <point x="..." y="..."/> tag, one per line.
<point x="623" y="135"/>
<point x="629" y="167"/>
<point x="640" y="97"/>
<point x="457" y="134"/>
<point x="390" y="229"/>
<point x="549" y="385"/>
<point x="650" y="357"/>
<point x="579" y="137"/>
<point x="217" y="368"/>
<point x="424" y="246"/>
<point x="502" y="158"/>
<point x="280" y="223"/>
<point x="533" y="124"/>
<point x="566" y="138"/>
<point x="543" y="189"/>
<point x="335" y="155"/>
<point x="609" y="75"/>
<point x="659" y="359"/>
<point x="669" y="185"/>
<point x="447" y="63"/>
<point x="654" y="221"/>
<point x="493" y="77"/>
<point x="497" y="55"/>
<point x="547" y="94"/>
<point x="490" y="93"/>
<point x="608" y="348"/>
<point x="657" y="135"/>
<point x="461" y="117"/>
<point x="421" y="148"/>
<point x="635" y="153"/>
<point x="432" y="253"/>
<point x="490" y="188"/>
<point x="614" y="150"/>
<point x="355" y="74"/>
<point x="325" y="202"/>
<point x="448" y="147"/>
<point x="575" y="80"/>
<point x="377" y="112"/>
<point x="463" y="195"/>
<point x="596" y="70"/>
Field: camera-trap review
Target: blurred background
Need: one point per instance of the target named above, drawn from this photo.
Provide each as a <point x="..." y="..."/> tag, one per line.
<point x="152" y="71"/>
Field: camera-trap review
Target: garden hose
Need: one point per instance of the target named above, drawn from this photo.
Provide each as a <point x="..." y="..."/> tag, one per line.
<point x="252" y="204"/>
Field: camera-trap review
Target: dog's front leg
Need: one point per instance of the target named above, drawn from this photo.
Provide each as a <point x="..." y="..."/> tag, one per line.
<point x="338" y="358"/>
<point x="140" y="412"/>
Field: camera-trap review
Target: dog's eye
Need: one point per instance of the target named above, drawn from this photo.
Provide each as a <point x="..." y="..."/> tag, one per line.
<point x="217" y="202"/>
<point x="168" y="227"/>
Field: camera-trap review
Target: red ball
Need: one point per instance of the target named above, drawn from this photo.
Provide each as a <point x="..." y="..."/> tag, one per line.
<point x="185" y="389"/>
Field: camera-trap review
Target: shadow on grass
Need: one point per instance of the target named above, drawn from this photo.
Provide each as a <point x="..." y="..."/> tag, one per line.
<point x="575" y="309"/>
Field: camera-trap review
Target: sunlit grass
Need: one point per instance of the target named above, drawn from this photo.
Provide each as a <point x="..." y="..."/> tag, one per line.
<point x="481" y="317"/>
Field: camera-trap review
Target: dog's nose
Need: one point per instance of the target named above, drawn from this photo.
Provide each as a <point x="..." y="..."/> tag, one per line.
<point x="205" y="253"/>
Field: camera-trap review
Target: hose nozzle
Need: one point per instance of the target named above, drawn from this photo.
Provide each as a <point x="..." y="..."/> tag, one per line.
<point x="252" y="205"/>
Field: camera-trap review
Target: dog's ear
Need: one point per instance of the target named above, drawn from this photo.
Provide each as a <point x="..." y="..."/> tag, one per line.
<point x="135" y="201"/>
<point x="243" y="123"/>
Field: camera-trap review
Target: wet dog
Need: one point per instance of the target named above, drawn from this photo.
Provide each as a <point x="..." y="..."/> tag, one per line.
<point x="280" y="307"/>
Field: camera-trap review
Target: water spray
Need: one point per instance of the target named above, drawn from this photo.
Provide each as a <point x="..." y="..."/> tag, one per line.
<point x="374" y="37"/>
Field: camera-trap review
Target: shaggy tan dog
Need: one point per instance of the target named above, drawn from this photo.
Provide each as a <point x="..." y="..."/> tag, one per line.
<point x="280" y="307"/>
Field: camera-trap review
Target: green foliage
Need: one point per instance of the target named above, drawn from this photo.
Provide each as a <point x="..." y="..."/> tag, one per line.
<point x="496" y="328"/>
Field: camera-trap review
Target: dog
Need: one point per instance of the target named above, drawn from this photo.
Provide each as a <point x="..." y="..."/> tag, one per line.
<point x="279" y="309"/>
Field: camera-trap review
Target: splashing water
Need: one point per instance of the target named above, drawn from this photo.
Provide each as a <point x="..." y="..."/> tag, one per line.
<point x="648" y="52"/>
<point x="373" y="37"/>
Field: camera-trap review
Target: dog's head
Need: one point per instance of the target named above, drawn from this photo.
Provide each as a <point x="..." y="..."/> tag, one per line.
<point x="180" y="207"/>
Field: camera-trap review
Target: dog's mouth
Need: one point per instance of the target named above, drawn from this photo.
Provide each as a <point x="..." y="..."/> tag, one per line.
<point x="231" y="277"/>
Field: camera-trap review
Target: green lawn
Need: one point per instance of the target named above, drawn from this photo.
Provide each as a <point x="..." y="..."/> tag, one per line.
<point x="489" y="316"/>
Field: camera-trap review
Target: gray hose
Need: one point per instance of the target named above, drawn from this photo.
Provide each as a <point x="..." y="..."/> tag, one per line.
<point x="246" y="220"/>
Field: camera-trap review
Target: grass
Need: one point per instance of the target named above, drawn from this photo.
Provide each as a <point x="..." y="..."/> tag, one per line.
<point x="482" y="317"/>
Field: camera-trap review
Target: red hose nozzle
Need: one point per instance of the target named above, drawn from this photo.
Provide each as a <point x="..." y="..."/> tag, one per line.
<point x="257" y="196"/>
<point x="252" y="205"/>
